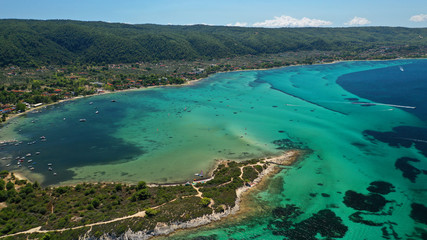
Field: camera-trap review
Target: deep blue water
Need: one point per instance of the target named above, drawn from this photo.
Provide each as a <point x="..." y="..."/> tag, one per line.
<point x="392" y="86"/>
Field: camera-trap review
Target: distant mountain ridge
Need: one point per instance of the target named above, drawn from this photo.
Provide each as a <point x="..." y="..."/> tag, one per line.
<point x="35" y="42"/>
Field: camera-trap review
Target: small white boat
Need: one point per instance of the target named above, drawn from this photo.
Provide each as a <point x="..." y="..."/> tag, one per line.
<point x="49" y="168"/>
<point x="8" y="165"/>
<point x="54" y="174"/>
<point x="83" y="120"/>
<point x="29" y="161"/>
<point x="97" y="112"/>
<point x="401" y="69"/>
<point x="199" y="174"/>
<point x="49" y="164"/>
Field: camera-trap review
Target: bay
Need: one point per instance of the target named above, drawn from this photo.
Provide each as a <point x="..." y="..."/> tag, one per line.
<point x="366" y="141"/>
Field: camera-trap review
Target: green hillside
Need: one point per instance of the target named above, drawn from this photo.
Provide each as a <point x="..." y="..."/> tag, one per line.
<point x="33" y="42"/>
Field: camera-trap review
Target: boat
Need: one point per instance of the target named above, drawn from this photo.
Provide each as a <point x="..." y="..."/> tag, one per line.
<point x="49" y="164"/>
<point x="199" y="174"/>
<point x="97" y="112"/>
<point x="90" y="103"/>
<point x="113" y="100"/>
<point x="28" y="155"/>
<point x="8" y="165"/>
<point x="29" y="160"/>
<point x="49" y="168"/>
<point x="83" y="120"/>
<point x="37" y="153"/>
<point x="401" y="69"/>
<point x="54" y="174"/>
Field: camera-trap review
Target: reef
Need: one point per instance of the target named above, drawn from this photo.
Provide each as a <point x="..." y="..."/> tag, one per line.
<point x="381" y="187"/>
<point x="402" y="136"/>
<point x="371" y="202"/>
<point x="325" y="222"/>
<point x="419" y="213"/>
<point x="410" y="172"/>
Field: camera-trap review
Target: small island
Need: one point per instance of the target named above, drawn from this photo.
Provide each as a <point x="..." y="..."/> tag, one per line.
<point x="115" y="209"/>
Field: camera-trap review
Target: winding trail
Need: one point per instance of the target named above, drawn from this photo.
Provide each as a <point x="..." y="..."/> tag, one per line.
<point x="285" y="159"/>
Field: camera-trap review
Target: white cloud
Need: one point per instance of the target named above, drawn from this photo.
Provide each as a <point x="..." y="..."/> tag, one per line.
<point x="358" y="21"/>
<point x="419" y="18"/>
<point x="288" y="21"/>
<point x="238" y="24"/>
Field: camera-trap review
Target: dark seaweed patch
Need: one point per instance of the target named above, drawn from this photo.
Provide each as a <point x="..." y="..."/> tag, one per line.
<point x="210" y="237"/>
<point x="357" y="218"/>
<point x="325" y="195"/>
<point x="285" y="144"/>
<point x="381" y="187"/>
<point x="324" y="222"/>
<point x="410" y="172"/>
<point x="370" y="202"/>
<point x="359" y="145"/>
<point x="403" y="136"/>
<point x="419" y="213"/>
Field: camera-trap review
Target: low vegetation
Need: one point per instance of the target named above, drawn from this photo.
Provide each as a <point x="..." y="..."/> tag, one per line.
<point x="27" y="205"/>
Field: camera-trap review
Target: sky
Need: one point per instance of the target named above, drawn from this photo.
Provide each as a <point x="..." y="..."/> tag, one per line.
<point x="247" y="13"/>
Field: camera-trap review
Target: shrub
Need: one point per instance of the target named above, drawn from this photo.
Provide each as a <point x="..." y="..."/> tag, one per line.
<point x="95" y="203"/>
<point x="151" y="212"/>
<point x="10" y="185"/>
<point x="141" y="185"/>
<point x="3" y="195"/>
<point x="4" y="174"/>
<point x="142" y="194"/>
<point x="205" y="201"/>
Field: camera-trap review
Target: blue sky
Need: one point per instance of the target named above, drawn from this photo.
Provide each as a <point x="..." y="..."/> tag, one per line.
<point x="267" y="13"/>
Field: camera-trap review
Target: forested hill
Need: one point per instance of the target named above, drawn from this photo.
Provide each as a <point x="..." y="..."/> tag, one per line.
<point x="33" y="42"/>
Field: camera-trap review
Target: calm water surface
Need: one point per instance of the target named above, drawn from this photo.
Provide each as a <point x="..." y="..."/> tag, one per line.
<point x="364" y="177"/>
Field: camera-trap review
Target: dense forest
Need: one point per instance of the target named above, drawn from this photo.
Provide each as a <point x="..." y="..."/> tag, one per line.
<point x="34" y="43"/>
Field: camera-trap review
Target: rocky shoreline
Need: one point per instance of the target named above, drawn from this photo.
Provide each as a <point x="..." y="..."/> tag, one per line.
<point x="163" y="229"/>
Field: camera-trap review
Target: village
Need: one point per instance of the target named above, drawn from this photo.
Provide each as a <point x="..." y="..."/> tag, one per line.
<point x="27" y="88"/>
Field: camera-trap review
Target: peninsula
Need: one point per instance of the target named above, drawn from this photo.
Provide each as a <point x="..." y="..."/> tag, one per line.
<point x="114" y="209"/>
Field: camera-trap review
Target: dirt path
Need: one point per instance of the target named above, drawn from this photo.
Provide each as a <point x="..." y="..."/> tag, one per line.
<point x="140" y="214"/>
<point x="285" y="159"/>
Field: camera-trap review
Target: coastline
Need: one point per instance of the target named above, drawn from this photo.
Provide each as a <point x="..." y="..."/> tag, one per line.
<point x="270" y="168"/>
<point x="188" y="83"/>
<point x="164" y="231"/>
<point x="12" y="116"/>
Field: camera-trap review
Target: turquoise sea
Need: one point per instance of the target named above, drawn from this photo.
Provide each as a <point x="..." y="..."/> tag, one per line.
<point x="364" y="176"/>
